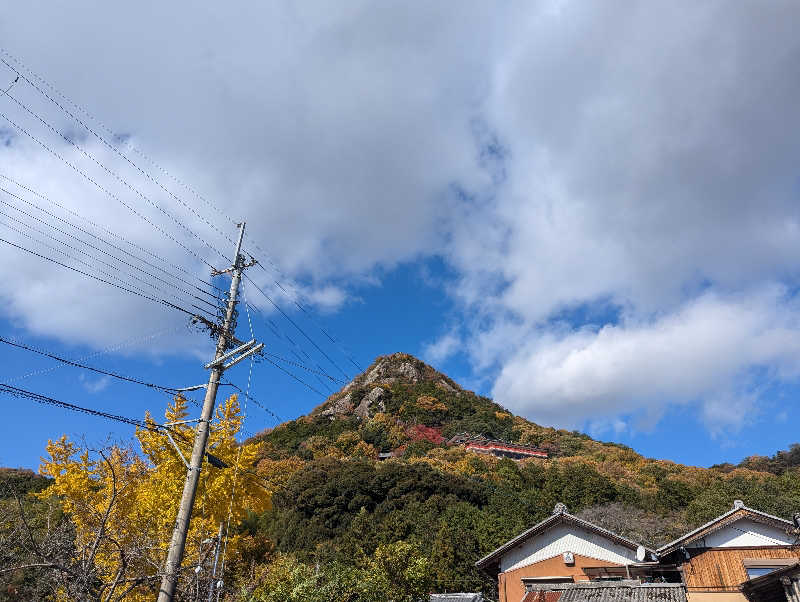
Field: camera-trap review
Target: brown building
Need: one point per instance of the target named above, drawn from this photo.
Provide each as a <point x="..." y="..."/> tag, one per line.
<point x="564" y="549"/>
<point x="719" y="558"/>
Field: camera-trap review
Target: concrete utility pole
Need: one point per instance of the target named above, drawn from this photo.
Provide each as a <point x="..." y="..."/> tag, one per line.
<point x="218" y="366"/>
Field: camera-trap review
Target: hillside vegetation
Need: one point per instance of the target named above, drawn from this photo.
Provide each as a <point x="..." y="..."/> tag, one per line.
<point x="363" y="500"/>
<point x="336" y="505"/>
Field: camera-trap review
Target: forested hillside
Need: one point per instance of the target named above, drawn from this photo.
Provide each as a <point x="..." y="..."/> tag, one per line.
<point x="336" y="505"/>
<point x="362" y="500"/>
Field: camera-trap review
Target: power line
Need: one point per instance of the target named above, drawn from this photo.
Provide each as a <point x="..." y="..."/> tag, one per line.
<point x="119" y="153"/>
<point x="43" y="399"/>
<point x="300" y="364"/>
<point x="293" y="323"/>
<point x="101" y="187"/>
<point x="112" y="276"/>
<point x="101" y="239"/>
<point x="301" y="307"/>
<point x="280" y="335"/>
<point x="115" y="136"/>
<point x="112" y="266"/>
<point x="107" y="350"/>
<point x="57" y="250"/>
<point x="255" y="401"/>
<point x="69" y="267"/>
<point x="120" y="179"/>
<point x="303" y="367"/>
<point x="104" y="252"/>
<point x="297" y="378"/>
<point x="170" y="390"/>
<point x="165" y="172"/>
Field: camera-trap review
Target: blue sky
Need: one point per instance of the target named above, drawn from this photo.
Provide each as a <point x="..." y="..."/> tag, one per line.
<point x="586" y="211"/>
<point x="405" y="312"/>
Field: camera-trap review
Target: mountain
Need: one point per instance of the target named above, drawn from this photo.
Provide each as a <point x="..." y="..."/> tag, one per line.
<point x="337" y="505"/>
<point x="400" y="401"/>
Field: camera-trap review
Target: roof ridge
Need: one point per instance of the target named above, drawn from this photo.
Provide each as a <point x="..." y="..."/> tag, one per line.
<point x="738" y="506"/>
<point x="560" y="514"/>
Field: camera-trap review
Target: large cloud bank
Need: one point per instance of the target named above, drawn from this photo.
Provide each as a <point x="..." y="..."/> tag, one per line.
<point x="614" y="185"/>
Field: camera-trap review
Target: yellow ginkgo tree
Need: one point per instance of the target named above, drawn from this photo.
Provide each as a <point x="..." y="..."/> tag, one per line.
<point x="123" y="503"/>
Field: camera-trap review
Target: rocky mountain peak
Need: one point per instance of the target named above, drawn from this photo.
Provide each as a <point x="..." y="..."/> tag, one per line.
<point x="364" y="394"/>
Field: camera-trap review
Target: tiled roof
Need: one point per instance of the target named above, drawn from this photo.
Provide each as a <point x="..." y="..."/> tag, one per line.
<point x="642" y="593"/>
<point x="542" y="597"/>
<point x="456" y="598"/>
<point x="593" y="591"/>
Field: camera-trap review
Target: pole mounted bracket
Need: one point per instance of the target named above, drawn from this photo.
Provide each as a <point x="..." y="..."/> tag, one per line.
<point x="177" y="449"/>
<point x="247" y="353"/>
<point x="236" y="355"/>
<point x="223" y="358"/>
<point x="249" y="264"/>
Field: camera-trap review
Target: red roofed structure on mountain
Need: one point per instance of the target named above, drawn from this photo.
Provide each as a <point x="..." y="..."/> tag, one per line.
<point x="496" y="447"/>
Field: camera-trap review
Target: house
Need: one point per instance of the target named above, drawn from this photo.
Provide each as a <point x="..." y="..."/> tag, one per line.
<point x="781" y="585"/>
<point x="495" y="447"/>
<point x="742" y="544"/>
<point x="564" y="549"/>
<point x="456" y="598"/>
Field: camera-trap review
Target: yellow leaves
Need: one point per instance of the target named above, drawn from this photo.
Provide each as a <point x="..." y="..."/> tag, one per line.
<point x="430" y="404"/>
<point x="320" y="447"/>
<point x="347" y="442"/>
<point x="347" y="445"/>
<point x="502" y="415"/>
<point x="278" y="472"/>
<point x="132" y="499"/>
<point x="394" y="430"/>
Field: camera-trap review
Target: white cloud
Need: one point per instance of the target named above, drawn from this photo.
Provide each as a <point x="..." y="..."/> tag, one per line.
<point x="568" y="160"/>
<point x="337" y="132"/>
<point x="442" y="348"/>
<point x="95" y="386"/>
<point x="697" y="353"/>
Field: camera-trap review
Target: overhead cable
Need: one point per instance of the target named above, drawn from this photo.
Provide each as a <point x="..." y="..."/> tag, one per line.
<point x="187" y="187"/>
<point x="280" y="335"/>
<point x="301" y="307"/>
<point x="127" y="285"/>
<point x="295" y="377"/>
<point x="114" y="135"/>
<point x="127" y="343"/>
<point x="22" y="393"/>
<point x="99" y="238"/>
<point x="53" y="356"/>
<point x="293" y="323"/>
<point x="119" y="178"/>
<point x="102" y="188"/>
<point x="303" y="367"/>
<point x="119" y="286"/>
<point x="121" y="155"/>
<point x="154" y="180"/>
<point x="83" y="252"/>
<point x="255" y="401"/>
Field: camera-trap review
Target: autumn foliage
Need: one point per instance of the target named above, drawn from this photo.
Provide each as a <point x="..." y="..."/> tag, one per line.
<point x="123" y="503"/>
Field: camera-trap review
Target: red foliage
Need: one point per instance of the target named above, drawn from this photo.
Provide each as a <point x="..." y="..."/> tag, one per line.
<point x="420" y="432"/>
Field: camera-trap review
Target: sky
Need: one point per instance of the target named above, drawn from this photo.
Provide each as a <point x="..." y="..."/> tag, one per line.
<point x="588" y="211"/>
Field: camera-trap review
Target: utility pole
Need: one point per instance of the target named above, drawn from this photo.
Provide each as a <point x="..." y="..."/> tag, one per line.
<point x="214" y="583"/>
<point x="217" y="367"/>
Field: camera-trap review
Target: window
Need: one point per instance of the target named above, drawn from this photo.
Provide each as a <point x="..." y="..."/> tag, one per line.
<point x="758" y="567"/>
<point x="758" y="571"/>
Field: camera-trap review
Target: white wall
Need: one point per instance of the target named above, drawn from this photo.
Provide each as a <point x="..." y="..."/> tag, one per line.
<point x="565" y="538"/>
<point x="744" y="532"/>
